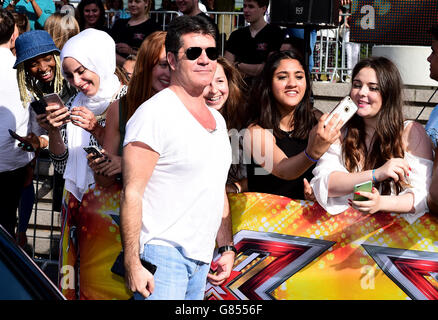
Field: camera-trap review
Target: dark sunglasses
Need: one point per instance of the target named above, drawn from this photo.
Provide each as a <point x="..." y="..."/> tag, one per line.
<point x="193" y="53"/>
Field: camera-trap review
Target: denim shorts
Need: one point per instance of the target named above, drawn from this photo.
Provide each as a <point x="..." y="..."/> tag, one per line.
<point x="177" y="277"/>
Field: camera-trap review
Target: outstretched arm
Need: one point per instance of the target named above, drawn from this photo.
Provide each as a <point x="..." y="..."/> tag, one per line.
<point x="260" y="144"/>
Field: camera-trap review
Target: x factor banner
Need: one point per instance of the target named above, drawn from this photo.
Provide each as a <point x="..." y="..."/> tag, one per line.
<point x="393" y="22"/>
<point x="295" y="250"/>
<point x="287" y="249"/>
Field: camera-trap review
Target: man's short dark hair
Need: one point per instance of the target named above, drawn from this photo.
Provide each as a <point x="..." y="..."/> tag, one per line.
<point x="7" y="26"/>
<point x="187" y="24"/>
<point x="434" y="31"/>
<point x="261" y="3"/>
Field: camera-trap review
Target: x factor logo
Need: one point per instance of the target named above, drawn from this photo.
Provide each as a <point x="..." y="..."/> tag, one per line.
<point x="263" y="262"/>
<point x="415" y="272"/>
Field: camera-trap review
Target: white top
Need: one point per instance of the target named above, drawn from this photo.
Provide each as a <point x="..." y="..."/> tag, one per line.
<point x="331" y="161"/>
<point x="100" y="58"/>
<point x="13" y="116"/>
<point x="184" y="199"/>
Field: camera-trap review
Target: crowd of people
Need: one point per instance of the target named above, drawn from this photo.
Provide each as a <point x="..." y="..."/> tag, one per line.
<point x="178" y="127"/>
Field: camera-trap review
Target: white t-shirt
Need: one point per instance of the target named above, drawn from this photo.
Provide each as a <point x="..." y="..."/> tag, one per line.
<point x="183" y="201"/>
<point x="12" y="116"/>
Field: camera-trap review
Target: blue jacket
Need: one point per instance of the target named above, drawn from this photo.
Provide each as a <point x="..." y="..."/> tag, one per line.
<point x="47" y="7"/>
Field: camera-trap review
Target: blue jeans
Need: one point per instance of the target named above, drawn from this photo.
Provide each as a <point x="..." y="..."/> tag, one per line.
<point x="177" y="277"/>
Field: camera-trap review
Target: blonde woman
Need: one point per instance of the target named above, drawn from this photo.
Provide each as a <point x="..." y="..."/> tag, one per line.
<point x="61" y="27"/>
<point x="130" y="33"/>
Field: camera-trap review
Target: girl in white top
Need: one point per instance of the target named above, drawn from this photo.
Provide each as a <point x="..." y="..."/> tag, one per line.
<point x="378" y="145"/>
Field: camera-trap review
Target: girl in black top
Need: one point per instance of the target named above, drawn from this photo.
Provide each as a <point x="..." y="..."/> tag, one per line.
<point x="128" y="34"/>
<point x="286" y="136"/>
<point x="91" y="14"/>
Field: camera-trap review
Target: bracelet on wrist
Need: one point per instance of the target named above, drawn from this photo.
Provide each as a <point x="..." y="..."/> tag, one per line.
<point x="309" y="157"/>
<point x="227" y="248"/>
<point x="374" y="177"/>
<point x="234" y="187"/>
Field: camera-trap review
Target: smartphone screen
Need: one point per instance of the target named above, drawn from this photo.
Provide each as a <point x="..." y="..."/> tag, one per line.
<point x="366" y="187"/>
<point x="54" y="98"/>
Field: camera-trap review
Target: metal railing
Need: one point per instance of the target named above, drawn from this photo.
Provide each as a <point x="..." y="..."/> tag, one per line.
<point x="331" y="53"/>
<point x="43" y="232"/>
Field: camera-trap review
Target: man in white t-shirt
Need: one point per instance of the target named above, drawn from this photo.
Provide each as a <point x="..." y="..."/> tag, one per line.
<point x="175" y="162"/>
<point x="13" y="160"/>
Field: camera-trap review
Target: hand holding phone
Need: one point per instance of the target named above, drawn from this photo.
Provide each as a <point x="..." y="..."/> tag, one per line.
<point x="365" y="187"/>
<point x="27" y="146"/>
<point x="94" y="150"/>
<point x="345" y="109"/>
<point x="119" y="266"/>
<point x="54" y="103"/>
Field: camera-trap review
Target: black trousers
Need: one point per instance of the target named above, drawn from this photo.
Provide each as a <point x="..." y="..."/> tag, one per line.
<point x="11" y="184"/>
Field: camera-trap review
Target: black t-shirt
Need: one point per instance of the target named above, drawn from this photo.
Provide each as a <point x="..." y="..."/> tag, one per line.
<point x="255" y="50"/>
<point x="132" y="35"/>
<point x="269" y="183"/>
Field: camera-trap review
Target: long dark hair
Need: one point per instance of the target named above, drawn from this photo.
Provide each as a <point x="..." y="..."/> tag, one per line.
<point x="387" y="140"/>
<point x="262" y="107"/>
<point x="101" y="22"/>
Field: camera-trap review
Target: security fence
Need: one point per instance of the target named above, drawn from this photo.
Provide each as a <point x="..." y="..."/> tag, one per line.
<point x="334" y="55"/>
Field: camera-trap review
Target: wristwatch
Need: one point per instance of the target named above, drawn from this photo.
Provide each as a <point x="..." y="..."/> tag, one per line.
<point x="227" y="248"/>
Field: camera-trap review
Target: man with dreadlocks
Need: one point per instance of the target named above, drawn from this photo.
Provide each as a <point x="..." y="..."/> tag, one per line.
<point x="39" y="68"/>
<point x="38" y="73"/>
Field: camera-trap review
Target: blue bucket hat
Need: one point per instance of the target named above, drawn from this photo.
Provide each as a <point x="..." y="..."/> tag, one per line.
<point x="32" y="44"/>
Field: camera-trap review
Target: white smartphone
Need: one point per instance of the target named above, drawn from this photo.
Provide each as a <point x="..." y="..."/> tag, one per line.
<point x="346" y="109"/>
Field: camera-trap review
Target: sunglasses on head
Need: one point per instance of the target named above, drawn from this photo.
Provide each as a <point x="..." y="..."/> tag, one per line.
<point x="193" y="53"/>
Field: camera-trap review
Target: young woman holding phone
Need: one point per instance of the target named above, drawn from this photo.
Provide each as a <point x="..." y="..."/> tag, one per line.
<point x="286" y="136"/>
<point x="377" y="144"/>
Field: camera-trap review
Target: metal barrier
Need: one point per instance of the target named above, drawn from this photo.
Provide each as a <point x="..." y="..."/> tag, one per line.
<point x="335" y="56"/>
<point x="44" y="225"/>
<point x="332" y="51"/>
